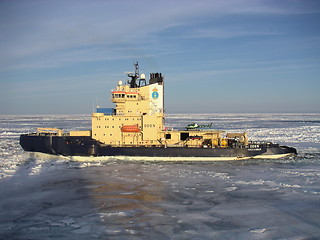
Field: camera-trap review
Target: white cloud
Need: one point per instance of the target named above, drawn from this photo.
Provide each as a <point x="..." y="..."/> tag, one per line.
<point x="226" y="33"/>
<point x="34" y="28"/>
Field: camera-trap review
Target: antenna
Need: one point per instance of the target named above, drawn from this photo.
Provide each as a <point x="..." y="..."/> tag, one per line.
<point x="136" y="66"/>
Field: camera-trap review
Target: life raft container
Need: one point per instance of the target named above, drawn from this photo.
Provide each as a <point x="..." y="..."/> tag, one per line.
<point x="130" y="128"/>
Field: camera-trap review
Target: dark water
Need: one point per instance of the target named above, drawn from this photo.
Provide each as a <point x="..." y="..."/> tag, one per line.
<point x="54" y="198"/>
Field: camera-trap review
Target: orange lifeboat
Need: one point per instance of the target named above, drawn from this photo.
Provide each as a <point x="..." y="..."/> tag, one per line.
<point x="130" y="128"/>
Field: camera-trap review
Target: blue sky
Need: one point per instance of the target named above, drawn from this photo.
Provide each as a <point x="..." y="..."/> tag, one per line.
<point x="217" y="56"/>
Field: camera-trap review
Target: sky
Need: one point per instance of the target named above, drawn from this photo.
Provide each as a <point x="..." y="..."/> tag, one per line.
<point x="235" y="56"/>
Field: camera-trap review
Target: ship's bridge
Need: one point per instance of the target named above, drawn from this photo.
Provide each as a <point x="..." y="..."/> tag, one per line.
<point x="139" y="106"/>
<point x="122" y="96"/>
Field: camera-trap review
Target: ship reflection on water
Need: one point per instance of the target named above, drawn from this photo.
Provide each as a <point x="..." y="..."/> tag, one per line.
<point x="127" y="203"/>
<point x="64" y="200"/>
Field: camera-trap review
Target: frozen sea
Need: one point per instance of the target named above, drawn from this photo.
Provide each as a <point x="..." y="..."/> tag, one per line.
<point x="57" y="198"/>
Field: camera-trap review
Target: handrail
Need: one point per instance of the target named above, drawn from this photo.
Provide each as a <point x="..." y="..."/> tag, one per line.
<point x="57" y="131"/>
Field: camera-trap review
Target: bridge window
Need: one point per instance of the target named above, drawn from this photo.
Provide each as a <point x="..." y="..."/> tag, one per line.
<point x="118" y="95"/>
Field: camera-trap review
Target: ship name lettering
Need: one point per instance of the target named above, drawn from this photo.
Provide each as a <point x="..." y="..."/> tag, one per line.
<point x="254" y="149"/>
<point x="149" y="125"/>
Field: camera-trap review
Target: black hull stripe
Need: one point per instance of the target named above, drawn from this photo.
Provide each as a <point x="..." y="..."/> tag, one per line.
<point x="86" y="146"/>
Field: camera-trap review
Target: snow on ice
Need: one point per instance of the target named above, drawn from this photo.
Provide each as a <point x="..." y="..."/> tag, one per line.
<point x="49" y="197"/>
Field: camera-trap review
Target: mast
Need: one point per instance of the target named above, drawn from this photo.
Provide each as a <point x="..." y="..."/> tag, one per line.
<point x="134" y="77"/>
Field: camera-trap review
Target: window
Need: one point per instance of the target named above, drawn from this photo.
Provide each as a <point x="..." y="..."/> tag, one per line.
<point x="184" y="136"/>
<point x="168" y="136"/>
